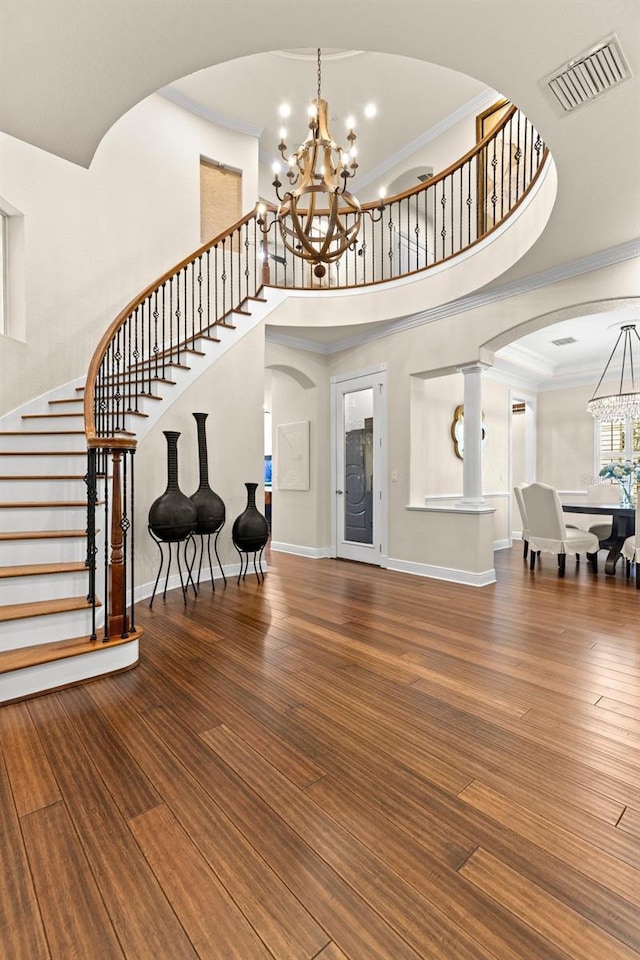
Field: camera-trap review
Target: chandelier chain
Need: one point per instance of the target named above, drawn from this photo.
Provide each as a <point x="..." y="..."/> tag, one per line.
<point x="319" y="73"/>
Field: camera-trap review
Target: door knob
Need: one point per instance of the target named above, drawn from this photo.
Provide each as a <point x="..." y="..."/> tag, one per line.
<point x="339" y="491"/>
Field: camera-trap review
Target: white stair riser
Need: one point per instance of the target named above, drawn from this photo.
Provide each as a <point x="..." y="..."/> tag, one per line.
<point x="76" y="407"/>
<point x="59" y="673"/>
<point x="43" y="465"/>
<point x="55" y="626"/>
<point x="42" y="518"/>
<point x="45" y="587"/>
<point x="30" y="440"/>
<point x="70" y="420"/>
<point x="21" y="491"/>
<point x="67" y="550"/>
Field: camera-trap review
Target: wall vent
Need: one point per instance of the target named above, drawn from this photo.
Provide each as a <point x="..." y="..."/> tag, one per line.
<point x="564" y="341"/>
<point x="588" y="76"/>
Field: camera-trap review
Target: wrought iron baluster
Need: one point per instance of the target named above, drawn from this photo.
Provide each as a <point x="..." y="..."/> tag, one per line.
<point x="164" y="352"/>
<point x="510" y="158"/>
<point x="451" y="215"/>
<point x="200" y="280"/>
<point x="517" y="159"/>
<point x="247" y="272"/>
<point x="443" y="205"/>
<point x="224" y="279"/>
<point x="216" y="307"/>
<point x="494" y="196"/>
<point x="469" y="202"/>
<point x="232" y="302"/>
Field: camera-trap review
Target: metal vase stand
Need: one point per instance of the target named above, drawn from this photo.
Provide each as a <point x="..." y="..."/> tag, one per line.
<point x="207" y="536"/>
<point x="244" y="563"/>
<point x="189" y="566"/>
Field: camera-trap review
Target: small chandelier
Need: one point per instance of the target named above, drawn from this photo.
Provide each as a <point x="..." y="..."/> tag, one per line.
<point x="318" y="218"/>
<point x="624" y="404"/>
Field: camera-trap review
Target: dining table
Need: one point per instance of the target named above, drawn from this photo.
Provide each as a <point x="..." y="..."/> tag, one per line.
<point x="623" y="526"/>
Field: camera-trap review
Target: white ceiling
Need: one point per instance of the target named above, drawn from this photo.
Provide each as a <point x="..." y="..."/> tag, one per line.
<point x="69" y="69"/>
<point x="251" y="90"/>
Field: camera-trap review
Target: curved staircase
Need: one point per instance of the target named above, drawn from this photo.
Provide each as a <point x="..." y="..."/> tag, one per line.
<point x="46" y="616"/>
<point x="71" y="452"/>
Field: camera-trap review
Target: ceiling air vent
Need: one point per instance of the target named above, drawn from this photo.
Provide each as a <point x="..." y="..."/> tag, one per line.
<point x="587" y="77"/>
<point x="564" y="341"/>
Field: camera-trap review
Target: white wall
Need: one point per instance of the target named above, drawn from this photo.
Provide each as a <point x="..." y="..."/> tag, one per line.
<point x="231" y="392"/>
<point x="95" y="238"/>
<point x="300" y="391"/>
<point x="565" y="438"/>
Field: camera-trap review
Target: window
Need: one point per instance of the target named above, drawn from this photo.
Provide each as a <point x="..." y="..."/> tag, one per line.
<point x="220" y="198"/>
<point x="618" y="440"/>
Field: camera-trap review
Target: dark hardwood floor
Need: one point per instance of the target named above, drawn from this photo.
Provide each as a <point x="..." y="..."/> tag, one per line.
<point x="342" y="762"/>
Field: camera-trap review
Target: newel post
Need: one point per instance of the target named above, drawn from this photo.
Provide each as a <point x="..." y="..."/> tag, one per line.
<point x="117" y="624"/>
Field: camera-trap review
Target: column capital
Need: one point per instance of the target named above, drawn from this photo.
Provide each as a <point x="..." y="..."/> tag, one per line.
<point x="474" y="366"/>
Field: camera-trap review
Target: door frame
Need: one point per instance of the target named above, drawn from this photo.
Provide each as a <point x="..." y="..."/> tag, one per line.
<point x="344" y="383"/>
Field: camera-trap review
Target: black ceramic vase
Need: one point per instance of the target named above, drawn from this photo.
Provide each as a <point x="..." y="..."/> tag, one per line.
<point x="210" y="508"/>
<point x="172" y="517"/>
<point x="250" y="530"/>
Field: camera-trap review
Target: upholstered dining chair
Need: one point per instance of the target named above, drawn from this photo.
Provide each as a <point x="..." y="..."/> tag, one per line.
<point x="602" y="493"/>
<point x="517" y="492"/>
<point x="631" y="547"/>
<point x="548" y="532"/>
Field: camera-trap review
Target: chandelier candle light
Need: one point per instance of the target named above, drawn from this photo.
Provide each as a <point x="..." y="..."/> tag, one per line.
<point x="625" y="404"/>
<point x="318" y="218"/>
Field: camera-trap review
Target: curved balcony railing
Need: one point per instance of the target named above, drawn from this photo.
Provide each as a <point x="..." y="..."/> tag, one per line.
<point x="155" y="334"/>
<point x="430" y="223"/>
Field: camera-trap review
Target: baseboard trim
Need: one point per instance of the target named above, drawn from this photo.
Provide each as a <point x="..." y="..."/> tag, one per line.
<point x="465" y="577"/>
<point x="502" y="544"/>
<point x="231" y="571"/>
<point x="315" y="553"/>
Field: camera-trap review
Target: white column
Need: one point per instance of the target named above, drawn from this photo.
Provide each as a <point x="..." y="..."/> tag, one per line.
<point x="472" y="456"/>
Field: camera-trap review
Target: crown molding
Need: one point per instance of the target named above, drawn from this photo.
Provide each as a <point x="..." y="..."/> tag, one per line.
<point x="193" y="106"/>
<point x="298" y="343"/>
<point x="566" y="271"/>
<point x="472" y="107"/>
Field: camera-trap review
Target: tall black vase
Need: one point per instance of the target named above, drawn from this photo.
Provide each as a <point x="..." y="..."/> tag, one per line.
<point x="250" y="530"/>
<point x="172" y="517"/>
<point x="210" y="508"/>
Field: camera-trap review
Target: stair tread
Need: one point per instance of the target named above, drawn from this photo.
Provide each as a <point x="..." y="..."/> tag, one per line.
<point x="6" y="535"/>
<point x="223" y="323"/>
<point x="41" y="433"/>
<point x="43" y="453"/>
<point x="33" y="656"/>
<point x="41" y="476"/>
<point x="43" y="416"/>
<point x="42" y="608"/>
<point x="68" y="399"/>
<point x="35" y="504"/>
<point x="41" y="569"/>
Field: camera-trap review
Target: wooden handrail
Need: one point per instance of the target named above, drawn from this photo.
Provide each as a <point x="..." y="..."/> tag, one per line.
<point x="89" y="391"/>
<point x="115" y="442"/>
